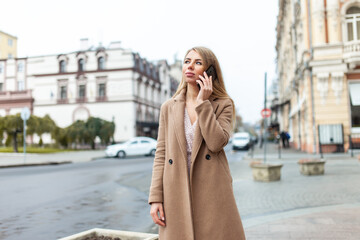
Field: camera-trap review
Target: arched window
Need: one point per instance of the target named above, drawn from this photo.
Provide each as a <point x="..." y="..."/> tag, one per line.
<point x="101" y="63"/>
<point x="352" y="19"/>
<point x="62" y="66"/>
<point x="81" y="64"/>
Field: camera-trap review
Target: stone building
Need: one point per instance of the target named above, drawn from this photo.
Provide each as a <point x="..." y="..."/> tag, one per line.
<point x="112" y="83"/>
<point x="318" y="66"/>
<point x="8" y="45"/>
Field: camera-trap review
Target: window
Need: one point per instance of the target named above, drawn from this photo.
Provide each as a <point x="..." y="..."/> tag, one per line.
<point x="62" y="66"/>
<point x="10" y="42"/>
<point x="1" y="87"/>
<point x="101" y="91"/>
<point x="101" y="63"/>
<point x="21" y="85"/>
<point x="144" y="141"/>
<point x="1" y="67"/>
<point x="352" y="19"/>
<point x="10" y="56"/>
<point x="20" y="67"/>
<point x="81" y="65"/>
<point x="63" y="92"/>
<point x="81" y="91"/>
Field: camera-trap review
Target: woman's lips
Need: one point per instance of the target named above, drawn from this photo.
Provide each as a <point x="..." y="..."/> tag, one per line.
<point x="189" y="74"/>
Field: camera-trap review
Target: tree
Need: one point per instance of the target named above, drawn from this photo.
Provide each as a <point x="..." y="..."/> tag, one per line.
<point x="46" y="125"/>
<point x="13" y="124"/>
<point x="93" y="126"/>
<point x="60" y="136"/>
<point x="107" y="132"/>
<point x="77" y="133"/>
<point x="2" y="129"/>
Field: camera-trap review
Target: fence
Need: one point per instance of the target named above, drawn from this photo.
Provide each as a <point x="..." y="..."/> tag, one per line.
<point x="354" y="142"/>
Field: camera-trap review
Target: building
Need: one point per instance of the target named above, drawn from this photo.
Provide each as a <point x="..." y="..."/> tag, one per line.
<point x="8" y="46"/>
<point x="112" y="83"/>
<point x="318" y="66"/>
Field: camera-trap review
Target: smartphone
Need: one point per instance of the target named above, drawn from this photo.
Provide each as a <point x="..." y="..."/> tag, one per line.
<point x="210" y="72"/>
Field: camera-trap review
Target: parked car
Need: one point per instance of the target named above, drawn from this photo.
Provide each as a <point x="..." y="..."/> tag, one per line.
<point x="241" y="140"/>
<point x="134" y="146"/>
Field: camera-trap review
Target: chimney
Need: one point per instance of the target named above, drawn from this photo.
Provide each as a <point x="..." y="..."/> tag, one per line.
<point x="84" y="44"/>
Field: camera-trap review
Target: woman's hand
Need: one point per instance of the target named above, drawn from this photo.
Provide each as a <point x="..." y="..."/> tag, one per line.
<point x="154" y="210"/>
<point x="206" y="88"/>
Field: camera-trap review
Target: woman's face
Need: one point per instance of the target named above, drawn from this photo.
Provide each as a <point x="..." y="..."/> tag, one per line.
<point x="192" y="67"/>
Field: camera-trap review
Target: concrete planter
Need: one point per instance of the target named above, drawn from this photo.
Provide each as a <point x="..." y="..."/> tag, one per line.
<point x="266" y="172"/>
<point x="312" y="167"/>
<point x="106" y="234"/>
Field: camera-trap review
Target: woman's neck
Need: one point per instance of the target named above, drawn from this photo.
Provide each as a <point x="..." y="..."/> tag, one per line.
<point x="192" y="92"/>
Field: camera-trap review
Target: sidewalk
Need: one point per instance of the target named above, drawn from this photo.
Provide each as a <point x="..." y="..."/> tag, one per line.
<point x="304" y="207"/>
<point x="273" y="153"/>
<point x="33" y="159"/>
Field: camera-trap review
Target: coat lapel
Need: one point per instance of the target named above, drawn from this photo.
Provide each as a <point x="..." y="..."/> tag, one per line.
<point x="198" y="138"/>
<point x="178" y="109"/>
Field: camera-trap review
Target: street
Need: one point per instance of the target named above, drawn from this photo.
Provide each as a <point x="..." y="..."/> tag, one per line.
<point x="56" y="201"/>
<point x="49" y="202"/>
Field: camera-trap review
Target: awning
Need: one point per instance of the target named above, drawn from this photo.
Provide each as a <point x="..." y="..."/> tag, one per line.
<point x="355" y="93"/>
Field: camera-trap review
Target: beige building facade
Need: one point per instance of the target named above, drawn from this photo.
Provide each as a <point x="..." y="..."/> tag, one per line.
<point x="8" y="46"/>
<point x="111" y="83"/>
<point x="318" y="67"/>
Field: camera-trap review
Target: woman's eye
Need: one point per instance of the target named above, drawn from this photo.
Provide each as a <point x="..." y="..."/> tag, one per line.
<point x="199" y="63"/>
<point x="186" y="61"/>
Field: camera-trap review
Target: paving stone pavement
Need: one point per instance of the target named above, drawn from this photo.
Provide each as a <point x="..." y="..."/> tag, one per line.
<point x="298" y="206"/>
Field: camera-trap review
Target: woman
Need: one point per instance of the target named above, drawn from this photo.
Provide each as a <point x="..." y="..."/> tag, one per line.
<point x="191" y="186"/>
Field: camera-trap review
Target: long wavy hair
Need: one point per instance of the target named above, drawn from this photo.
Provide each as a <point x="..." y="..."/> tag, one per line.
<point x="219" y="91"/>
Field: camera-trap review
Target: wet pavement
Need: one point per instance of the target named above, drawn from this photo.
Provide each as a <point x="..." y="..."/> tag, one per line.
<point x="49" y="202"/>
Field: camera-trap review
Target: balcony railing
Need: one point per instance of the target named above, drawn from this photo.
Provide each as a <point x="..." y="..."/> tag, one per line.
<point x="81" y="99"/>
<point x="15" y="95"/>
<point x="351" y="51"/>
<point x="101" y="98"/>
<point x="62" y="101"/>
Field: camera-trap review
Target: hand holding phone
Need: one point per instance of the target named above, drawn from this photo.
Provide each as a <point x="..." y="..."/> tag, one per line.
<point x="210" y="72"/>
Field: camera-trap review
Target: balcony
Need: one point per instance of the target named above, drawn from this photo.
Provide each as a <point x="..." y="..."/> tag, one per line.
<point x="62" y="101"/>
<point x="81" y="99"/>
<point x="352" y="53"/>
<point x="101" y="98"/>
<point x="16" y="94"/>
<point x="16" y="99"/>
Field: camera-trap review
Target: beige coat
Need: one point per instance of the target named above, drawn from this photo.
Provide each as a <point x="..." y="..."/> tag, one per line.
<point x="202" y="206"/>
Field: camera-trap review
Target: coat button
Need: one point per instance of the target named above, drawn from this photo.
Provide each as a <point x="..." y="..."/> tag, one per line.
<point x="171" y="161"/>
<point x="208" y="157"/>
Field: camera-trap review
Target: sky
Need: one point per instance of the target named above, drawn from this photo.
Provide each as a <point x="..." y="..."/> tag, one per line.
<point x="241" y="34"/>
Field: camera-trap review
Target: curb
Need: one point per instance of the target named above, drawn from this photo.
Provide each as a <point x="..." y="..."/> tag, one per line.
<point x="35" y="164"/>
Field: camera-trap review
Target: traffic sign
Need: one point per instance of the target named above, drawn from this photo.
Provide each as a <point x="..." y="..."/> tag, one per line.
<point x="25" y="113"/>
<point x="266" y="112"/>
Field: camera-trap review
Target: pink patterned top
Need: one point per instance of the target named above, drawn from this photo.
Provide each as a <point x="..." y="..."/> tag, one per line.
<point x="189" y="133"/>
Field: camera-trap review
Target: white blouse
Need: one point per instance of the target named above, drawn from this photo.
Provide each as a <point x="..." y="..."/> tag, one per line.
<point x="189" y="133"/>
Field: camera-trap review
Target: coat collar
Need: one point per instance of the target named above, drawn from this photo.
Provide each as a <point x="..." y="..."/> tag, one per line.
<point x="178" y="109"/>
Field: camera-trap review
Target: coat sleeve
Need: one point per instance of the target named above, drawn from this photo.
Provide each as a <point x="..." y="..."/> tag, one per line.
<point x="156" y="188"/>
<point x="216" y="132"/>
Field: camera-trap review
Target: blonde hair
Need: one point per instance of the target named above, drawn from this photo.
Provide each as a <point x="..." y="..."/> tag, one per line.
<point x="219" y="91"/>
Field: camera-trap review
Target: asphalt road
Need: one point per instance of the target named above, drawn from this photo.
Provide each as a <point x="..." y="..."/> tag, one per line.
<point x="50" y="202"/>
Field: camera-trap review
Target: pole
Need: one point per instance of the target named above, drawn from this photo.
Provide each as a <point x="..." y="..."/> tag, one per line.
<point x="311" y="77"/>
<point x="24" y="141"/>
<point x="265" y="125"/>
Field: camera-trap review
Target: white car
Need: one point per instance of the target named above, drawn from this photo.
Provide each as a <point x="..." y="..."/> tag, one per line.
<point x="241" y="140"/>
<point x="132" y="147"/>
